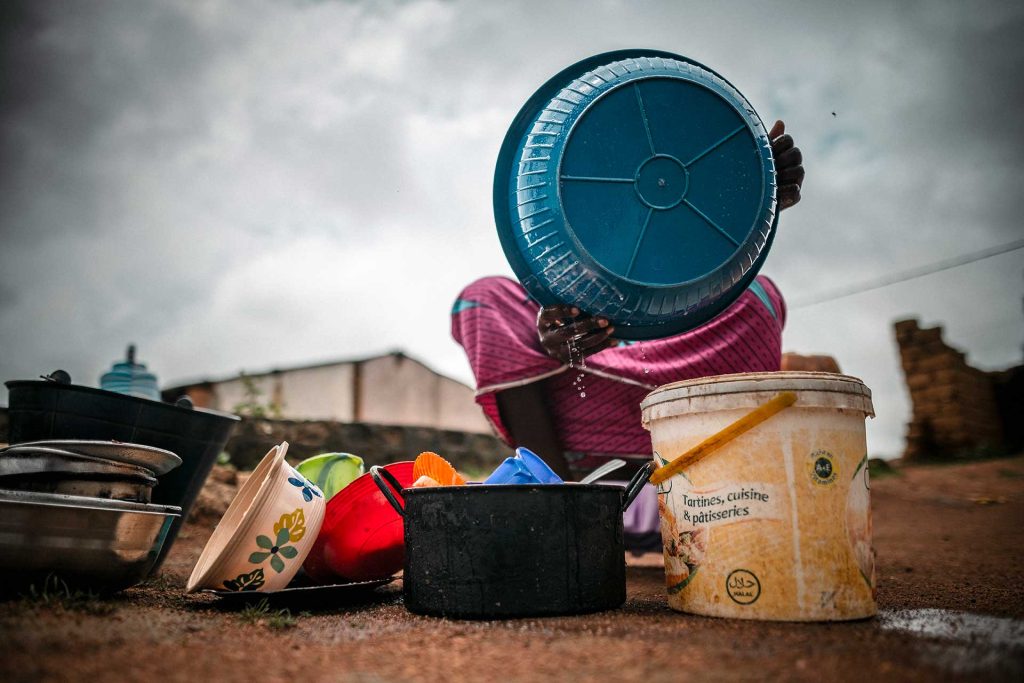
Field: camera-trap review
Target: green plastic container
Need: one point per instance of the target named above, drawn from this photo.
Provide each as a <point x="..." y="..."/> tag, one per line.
<point x="331" y="472"/>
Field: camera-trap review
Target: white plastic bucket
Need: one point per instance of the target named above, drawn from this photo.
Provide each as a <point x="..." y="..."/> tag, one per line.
<point x="776" y="524"/>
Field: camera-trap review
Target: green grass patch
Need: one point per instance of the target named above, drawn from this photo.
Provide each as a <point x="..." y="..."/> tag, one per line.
<point x="881" y="469"/>
<point x="964" y="457"/>
<point x="54" y="593"/>
<point x="260" y="613"/>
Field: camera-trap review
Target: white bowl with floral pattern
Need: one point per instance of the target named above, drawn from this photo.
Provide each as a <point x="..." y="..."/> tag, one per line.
<point x="266" y="533"/>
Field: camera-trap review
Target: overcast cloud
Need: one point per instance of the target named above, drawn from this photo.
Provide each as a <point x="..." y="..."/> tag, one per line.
<point x="258" y="184"/>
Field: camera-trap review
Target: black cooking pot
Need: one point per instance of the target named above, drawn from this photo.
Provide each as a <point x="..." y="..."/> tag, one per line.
<point x="481" y="552"/>
<point x="39" y="410"/>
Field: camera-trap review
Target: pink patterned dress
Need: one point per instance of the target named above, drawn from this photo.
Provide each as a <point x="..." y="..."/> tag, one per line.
<point x="596" y="405"/>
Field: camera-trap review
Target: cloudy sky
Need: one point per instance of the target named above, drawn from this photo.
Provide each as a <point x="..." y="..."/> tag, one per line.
<point x="257" y="184"/>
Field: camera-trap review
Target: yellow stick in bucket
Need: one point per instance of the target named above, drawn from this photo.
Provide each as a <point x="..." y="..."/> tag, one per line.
<point x="716" y="441"/>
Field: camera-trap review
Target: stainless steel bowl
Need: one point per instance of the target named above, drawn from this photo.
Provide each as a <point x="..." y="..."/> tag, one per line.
<point x="157" y="460"/>
<point x="48" y="470"/>
<point x="103" y="545"/>
<point x="108" y="488"/>
<point x="24" y="460"/>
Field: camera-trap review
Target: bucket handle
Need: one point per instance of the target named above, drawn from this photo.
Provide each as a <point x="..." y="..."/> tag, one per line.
<point x="379" y="474"/>
<point x="724" y="436"/>
<point x="636" y="484"/>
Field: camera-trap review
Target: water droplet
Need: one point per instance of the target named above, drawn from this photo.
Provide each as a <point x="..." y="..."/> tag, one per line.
<point x="643" y="357"/>
<point x="583" y="394"/>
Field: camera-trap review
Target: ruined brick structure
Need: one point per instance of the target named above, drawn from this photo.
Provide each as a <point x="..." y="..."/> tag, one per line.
<point x="955" y="409"/>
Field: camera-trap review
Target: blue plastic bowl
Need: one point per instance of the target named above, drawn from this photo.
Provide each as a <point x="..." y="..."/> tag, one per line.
<point x="639" y="186"/>
<point x="537" y="466"/>
<point x="525" y="467"/>
<point x="511" y="471"/>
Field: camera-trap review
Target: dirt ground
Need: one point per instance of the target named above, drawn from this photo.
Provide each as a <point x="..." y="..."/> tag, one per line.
<point x="950" y="544"/>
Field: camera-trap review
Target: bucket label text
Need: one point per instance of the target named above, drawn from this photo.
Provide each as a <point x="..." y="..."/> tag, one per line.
<point x="726" y="504"/>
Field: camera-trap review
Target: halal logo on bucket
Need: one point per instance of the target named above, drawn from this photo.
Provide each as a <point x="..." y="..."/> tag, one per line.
<point x="823" y="469"/>
<point x="743" y="586"/>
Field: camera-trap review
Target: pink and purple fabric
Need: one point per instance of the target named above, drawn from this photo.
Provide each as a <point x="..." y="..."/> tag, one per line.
<point x="596" y="405"/>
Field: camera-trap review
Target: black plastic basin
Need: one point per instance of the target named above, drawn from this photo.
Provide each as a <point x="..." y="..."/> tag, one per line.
<point x="50" y="410"/>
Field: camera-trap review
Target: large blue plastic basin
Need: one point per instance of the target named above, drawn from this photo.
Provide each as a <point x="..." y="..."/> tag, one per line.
<point x="639" y="186"/>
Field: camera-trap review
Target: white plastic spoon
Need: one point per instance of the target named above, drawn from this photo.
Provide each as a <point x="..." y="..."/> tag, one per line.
<point x="604" y="469"/>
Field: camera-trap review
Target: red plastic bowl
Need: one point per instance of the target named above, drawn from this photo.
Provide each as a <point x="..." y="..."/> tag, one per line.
<point x="362" y="537"/>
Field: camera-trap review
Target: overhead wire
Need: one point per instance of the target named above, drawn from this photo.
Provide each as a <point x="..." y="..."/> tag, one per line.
<point x="911" y="274"/>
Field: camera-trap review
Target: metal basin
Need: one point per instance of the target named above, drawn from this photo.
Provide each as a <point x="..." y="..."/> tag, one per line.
<point x="49" y="470"/>
<point x="108" y="488"/>
<point x="103" y="545"/>
<point x="30" y="460"/>
<point x="46" y="410"/>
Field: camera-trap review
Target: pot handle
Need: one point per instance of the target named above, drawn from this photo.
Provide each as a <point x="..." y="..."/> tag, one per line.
<point x="379" y="474"/>
<point x="636" y="484"/>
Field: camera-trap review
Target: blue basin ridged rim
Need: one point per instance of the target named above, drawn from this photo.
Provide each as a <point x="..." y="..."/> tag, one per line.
<point x="671" y="308"/>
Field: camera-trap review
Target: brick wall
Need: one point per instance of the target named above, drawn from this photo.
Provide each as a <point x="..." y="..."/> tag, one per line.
<point x="955" y="413"/>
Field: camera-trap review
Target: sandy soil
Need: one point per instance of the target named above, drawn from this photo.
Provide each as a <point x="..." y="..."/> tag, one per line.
<point x="950" y="543"/>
